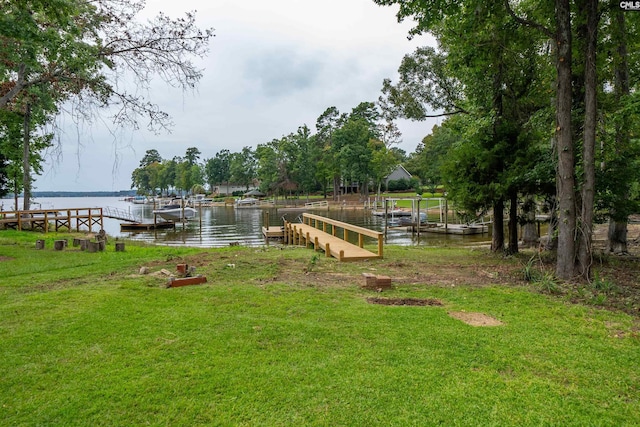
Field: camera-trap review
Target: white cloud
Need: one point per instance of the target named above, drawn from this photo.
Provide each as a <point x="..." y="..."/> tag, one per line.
<point x="273" y="66"/>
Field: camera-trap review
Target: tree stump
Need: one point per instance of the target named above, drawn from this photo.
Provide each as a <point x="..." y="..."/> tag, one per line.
<point x="76" y="242"/>
<point x="83" y="244"/>
<point x="119" y="246"/>
<point x="40" y="244"/>
<point x="59" y="245"/>
<point x="102" y="244"/>
<point x="92" y="246"/>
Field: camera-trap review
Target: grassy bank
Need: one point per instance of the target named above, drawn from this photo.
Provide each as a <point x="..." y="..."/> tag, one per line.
<point x="285" y="337"/>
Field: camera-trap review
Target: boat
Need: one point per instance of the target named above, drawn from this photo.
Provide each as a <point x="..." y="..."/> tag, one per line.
<point x="175" y="212"/>
<point x="138" y="200"/>
<point x="247" y="202"/>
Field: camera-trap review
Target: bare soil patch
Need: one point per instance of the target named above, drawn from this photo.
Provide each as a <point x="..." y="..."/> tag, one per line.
<point x="405" y="301"/>
<point x="5" y="258"/>
<point x="475" y="319"/>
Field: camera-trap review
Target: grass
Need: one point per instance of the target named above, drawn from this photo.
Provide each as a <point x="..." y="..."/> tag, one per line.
<point x="281" y="337"/>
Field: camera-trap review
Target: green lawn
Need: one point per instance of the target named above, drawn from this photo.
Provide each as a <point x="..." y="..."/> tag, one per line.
<point x="280" y="337"/>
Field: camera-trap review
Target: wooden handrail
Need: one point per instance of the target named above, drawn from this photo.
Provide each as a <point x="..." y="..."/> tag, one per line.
<point x="308" y="218"/>
<point x="344" y="225"/>
<point x="41" y="217"/>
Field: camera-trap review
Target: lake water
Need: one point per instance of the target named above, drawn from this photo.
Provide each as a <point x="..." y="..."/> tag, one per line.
<point x="220" y="226"/>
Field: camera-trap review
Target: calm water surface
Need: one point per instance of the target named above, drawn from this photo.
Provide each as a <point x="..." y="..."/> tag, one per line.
<point x="220" y="226"/>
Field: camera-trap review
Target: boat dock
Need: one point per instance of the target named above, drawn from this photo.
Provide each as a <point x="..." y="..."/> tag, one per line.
<point x="43" y="219"/>
<point x="313" y="231"/>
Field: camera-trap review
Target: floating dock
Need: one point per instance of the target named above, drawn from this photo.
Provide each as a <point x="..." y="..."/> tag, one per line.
<point x="273" y="232"/>
<point x="146" y="226"/>
<point x="461" y="229"/>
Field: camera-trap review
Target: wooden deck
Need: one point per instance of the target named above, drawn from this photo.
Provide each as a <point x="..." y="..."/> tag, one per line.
<point x="273" y="232"/>
<point x="42" y="219"/>
<point x="313" y="232"/>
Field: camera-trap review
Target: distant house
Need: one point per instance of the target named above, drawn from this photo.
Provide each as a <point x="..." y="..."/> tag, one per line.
<point x="398" y="173"/>
<point x="228" y="190"/>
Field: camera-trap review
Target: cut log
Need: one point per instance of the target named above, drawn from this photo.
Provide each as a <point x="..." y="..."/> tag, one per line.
<point x="40" y="244"/>
<point x="59" y="245"/>
<point x="119" y="246"/>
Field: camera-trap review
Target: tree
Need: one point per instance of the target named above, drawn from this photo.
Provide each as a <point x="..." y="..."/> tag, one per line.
<point x="485" y="70"/>
<point x="619" y="171"/>
<point x="78" y="52"/>
<point x="303" y="167"/>
<point x="243" y="167"/>
<point x="82" y="49"/>
<point x="328" y="169"/>
<point x="192" y="156"/>
<point x="383" y="161"/>
<point x="352" y="150"/>
<point x="21" y="147"/>
<point x="217" y="169"/>
<point x="151" y="156"/>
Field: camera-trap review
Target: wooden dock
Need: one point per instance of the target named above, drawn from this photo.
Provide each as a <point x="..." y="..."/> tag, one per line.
<point x="43" y="219"/>
<point x="146" y="226"/>
<point x="313" y="231"/>
<point x="461" y="229"/>
<point x="273" y="232"/>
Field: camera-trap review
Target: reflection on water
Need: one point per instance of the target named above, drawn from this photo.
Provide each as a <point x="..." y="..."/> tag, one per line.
<point x="221" y="226"/>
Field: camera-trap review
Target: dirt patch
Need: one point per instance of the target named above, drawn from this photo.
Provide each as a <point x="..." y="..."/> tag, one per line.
<point x="475" y="319"/>
<point x="5" y="258"/>
<point x="405" y="301"/>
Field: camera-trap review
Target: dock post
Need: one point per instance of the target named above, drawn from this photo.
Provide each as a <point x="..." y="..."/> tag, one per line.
<point x="327" y="250"/>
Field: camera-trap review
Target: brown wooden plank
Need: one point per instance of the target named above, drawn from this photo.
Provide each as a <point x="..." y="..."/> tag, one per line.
<point x="337" y="246"/>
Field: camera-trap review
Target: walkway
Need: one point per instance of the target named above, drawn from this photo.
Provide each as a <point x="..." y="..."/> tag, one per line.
<point x="309" y="233"/>
<point x="121" y="214"/>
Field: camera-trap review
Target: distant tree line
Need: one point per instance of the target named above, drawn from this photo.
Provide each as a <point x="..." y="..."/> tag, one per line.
<point x="351" y="152"/>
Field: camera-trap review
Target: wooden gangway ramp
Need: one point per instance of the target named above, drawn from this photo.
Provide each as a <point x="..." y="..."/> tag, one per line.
<point x="332" y="236"/>
<point x="121" y="214"/>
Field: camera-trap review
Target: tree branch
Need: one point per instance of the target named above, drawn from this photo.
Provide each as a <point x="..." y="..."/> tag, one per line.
<point x="546" y="31"/>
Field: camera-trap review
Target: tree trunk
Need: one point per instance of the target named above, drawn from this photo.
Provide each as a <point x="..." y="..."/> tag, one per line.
<point x="26" y="173"/>
<point x="566" y="163"/>
<point x="497" y="237"/>
<point x="617" y="237"/>
<point x="513" y="223"/>
<point x="584" y="259"/>
<point x="530" y="230"/>
<point x="552" y="232"/>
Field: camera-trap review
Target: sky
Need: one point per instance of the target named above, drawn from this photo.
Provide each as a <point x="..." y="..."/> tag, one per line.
<point x="272" y="67"/>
